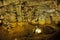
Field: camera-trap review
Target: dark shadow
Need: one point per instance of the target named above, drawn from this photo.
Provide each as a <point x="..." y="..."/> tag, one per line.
<point x="58" y="2"/>
<point x="55" y="37"/>
<point x="1" y="23"/>
<point x="48" y="30"/>
<point x="58" y="24"/>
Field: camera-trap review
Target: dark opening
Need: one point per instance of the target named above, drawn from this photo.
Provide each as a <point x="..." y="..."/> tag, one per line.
<point x="1" y="23"/>
<point x="58" y="2"/>
<point x="58" y="24"/>
<point x="48" y="30"/>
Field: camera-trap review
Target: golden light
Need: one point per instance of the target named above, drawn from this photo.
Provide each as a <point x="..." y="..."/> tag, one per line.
<point x="38" y="30"/>
<point x="42" y="20"/>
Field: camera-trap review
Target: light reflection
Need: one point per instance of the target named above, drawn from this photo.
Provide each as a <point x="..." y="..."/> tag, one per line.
<point x="38" y="30"/>
<point x="15" y="39"/>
